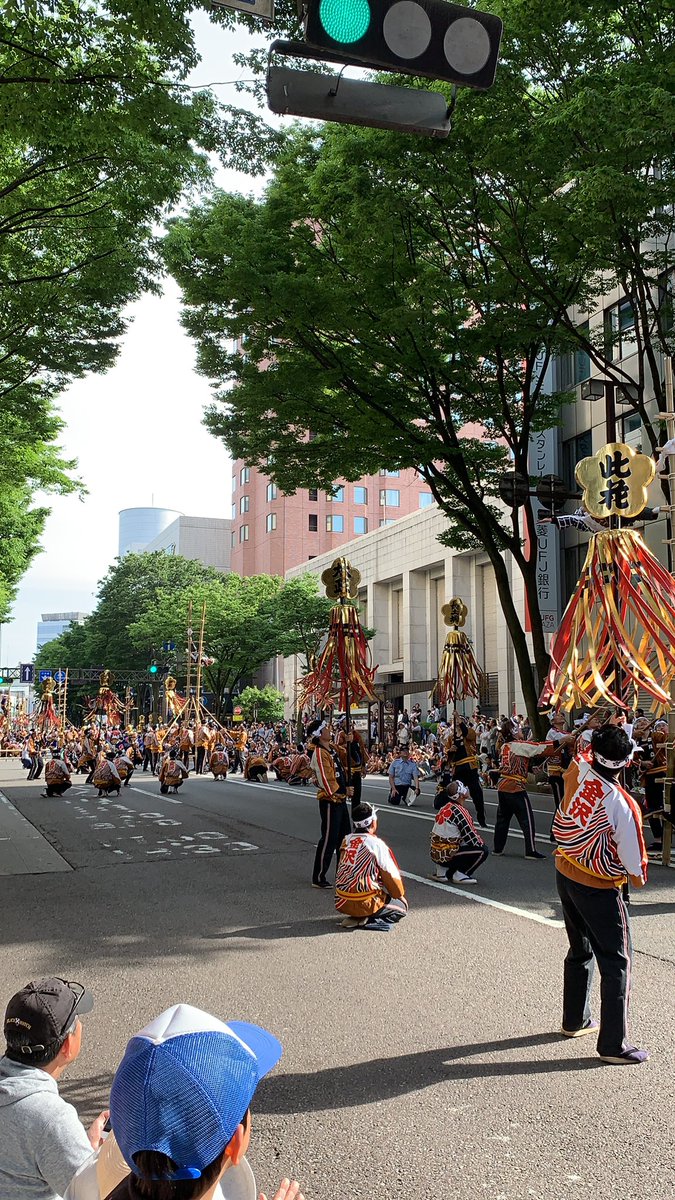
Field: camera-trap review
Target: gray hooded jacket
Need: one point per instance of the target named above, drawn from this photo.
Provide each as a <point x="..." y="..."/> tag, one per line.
<point x="42" y="1140"/>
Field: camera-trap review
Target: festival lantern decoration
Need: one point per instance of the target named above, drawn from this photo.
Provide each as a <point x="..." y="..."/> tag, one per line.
<point x="459" y="676"/>
<point x="342" y="672"/>
<point x="617" y="635"/>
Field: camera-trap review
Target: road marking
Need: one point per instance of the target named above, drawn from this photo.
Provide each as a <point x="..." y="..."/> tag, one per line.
<point x="467" y="895"/>
<point x="155" y="795"/>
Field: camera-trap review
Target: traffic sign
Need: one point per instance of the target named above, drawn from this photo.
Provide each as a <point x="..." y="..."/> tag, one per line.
<point x="45" y="675"/>
<point x="60" y="676"/>
<point x="27" y="672"/>
<point x="167" y="647"/>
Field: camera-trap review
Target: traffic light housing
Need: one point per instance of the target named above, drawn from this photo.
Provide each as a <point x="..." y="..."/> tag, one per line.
<point x="153" y="668"/>
<point x="430" y="38"/>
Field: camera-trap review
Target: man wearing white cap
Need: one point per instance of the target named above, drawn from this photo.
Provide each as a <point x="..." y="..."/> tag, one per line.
<point x="180" y="1113"/>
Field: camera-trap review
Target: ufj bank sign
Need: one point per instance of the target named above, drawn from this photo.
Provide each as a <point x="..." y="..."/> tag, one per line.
<point x="544" y="459"/>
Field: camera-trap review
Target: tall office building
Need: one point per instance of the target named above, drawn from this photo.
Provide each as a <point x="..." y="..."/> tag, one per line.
<point x="53" y="625"/>
<point x="271" y="532"/>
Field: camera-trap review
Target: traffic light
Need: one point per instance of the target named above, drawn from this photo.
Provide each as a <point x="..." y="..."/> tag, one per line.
<point x="415" y="37"/>
<point x="153" y="668"/>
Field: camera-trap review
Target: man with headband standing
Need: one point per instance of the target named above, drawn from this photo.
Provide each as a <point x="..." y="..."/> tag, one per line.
<point x="368" y="886"/>
<point x="598" y="828"/>
<point x="329" y="770"/>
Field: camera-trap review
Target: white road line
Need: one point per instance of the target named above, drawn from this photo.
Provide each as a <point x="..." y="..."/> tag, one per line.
<point x="156" y="795"/>
<point x="467" y="895"/>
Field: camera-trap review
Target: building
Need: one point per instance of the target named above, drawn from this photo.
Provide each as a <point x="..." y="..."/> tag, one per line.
<point x="406" y="578"/>
<point x="206" y="539"/>
<point x="138" y="526"/>
<point x="53" y="625"/>
<point x="272" y="533"/>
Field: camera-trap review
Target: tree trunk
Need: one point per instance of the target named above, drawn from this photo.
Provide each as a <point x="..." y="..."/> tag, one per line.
<point x="519" y="643"/>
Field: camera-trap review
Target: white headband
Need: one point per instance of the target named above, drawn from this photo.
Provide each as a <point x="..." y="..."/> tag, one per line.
<point x="367" y="821"/>
<point x="611" y="763"/>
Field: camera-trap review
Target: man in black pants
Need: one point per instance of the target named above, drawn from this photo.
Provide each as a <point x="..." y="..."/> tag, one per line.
<point x="463" y="757"/>
<point x="598" y="828"/>
<point x="517" y="759"/>
<point x="332" y="796"/>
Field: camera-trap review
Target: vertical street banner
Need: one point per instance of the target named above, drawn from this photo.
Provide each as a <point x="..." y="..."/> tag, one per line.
<point x="544" y="459"/>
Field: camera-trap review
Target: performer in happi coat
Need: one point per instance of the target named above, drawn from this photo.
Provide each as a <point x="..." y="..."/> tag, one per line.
<point x="172" y="772"/>
<point x="57" y="775"/>
<point x="517" y="759"/>
<point x="598" y="828"/>
<point x="369" y="889"/>
<point x="106" y="776"/>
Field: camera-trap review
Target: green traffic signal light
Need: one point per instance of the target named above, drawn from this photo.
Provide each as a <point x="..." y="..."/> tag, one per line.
<point x="153" y="669"/>
<point x="345" y="20"/>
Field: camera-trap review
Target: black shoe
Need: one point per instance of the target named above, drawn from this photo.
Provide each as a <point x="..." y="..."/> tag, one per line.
<point x="481" y="824"/>
<point x="535" y="854"/>
<point x="322" y="884"/>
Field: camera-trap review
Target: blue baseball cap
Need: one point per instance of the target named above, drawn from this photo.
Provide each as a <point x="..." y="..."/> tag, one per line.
<point x="184" y="1085"/>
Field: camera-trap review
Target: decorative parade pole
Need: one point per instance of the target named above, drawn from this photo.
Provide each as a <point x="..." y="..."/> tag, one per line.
<point x="342" y="670"/>
<point x="618" y="631"/>
<point x="669" y="789"/>
<point x="459" y="676"/>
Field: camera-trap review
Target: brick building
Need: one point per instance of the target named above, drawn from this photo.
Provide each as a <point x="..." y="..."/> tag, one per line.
<point x="271" y="532"/>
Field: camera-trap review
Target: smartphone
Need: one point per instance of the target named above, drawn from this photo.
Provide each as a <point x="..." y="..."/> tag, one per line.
<point x="107" y="1127"/>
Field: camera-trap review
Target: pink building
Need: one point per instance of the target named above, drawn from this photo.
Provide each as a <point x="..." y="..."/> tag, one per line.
<point x="272" y="533"/>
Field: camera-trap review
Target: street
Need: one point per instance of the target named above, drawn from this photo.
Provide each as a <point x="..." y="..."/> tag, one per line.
<point x="416" y="1063"/>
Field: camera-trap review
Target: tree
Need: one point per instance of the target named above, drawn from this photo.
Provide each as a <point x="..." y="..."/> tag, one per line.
<point x="262" y="704"/>
<point x="302" y="616"/>
<point x="432" y="285"/>
<point x="99" y="135"/>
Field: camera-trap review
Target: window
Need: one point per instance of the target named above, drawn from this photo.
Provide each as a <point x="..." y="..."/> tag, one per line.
<point x="244" y="475"/>
<point x="313" y="523"/>
<point x="574" y="449"/>
<point x="271" y="522"/>
<point x="619" y="330"/>
<point x="243" y="533"/>
<point x="234" y="512"/>
<point x="313" y="494"/>
<point x="574" y="366"/>
<point x="391" y="474"/>
<point x="360" y="524"/>
<point x="426" y="499"/>
<point x="386" y="521"/>
<point x="234" y="483"/>
<point x="360" y="495"/>
<point x="666" y="301"/>
<point x="271" y="491"/>
<point x="244" y="504"/>
<point x="335" y="524"/>
<point x="233" y="538"/>
<point x="337" y="496"/>
<point x="390" y="497"/>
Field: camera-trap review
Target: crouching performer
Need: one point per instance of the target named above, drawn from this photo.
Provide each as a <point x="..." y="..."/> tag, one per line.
<point x="219" y="761"/>
<point x="172" y="773"/>
<point x="368" y="886"/>
<point x="457" y="850"/>
<point x="106" y="776"/>
<point x="57" y="776"/>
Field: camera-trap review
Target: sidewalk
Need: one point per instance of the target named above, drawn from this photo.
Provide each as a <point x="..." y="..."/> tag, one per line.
<point x="23" y="851"/>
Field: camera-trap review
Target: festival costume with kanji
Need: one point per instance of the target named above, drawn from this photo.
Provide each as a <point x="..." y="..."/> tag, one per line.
<point x="471" y="851"/>
<point x="125" y="767"/>
<point x="368" y="881"/>
<point x="598" y="828"/>
<point x="218" y="764"/>
<point x="106" y="777"/>
<point x="513" y="801"/>
<point x="329" y="770"/>
<point x="255" y="767"/>
<point x="171" y="774"/>
<point x="463" y="757"/>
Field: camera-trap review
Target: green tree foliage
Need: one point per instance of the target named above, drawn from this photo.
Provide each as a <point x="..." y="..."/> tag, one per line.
<point x="403" y="299"/>
<point x="264" y="704"/>
<point x="302" y="616"/>
<point x="99" y="136"/>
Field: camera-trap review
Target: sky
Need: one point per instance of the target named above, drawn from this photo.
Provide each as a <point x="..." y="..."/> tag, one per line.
<point x="135" y="431"/>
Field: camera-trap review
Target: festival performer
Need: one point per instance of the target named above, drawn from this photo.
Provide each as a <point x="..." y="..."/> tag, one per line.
<point x="301" y="769"/>
<point x="240" y="740"/>
<point x="556" y="764"/>
<point x="255" y="766"/>
<point x="186" y="742"/>
<point x="653" y="777"/>
<point x="219" y="760"/>
<point x="517" y="759"/>
<point x="281" y="765"/>
<point x="598" y="828"/>
<point x="462" y="755"/>
<point x="124" y="764"/>
<point x="332" y="793"/>
<point x="368" y="886"/>
<point x="57" y="776"/>
<point x="357" y="757"/>
<point x="454" y="825"/>
<point x="151" y="749"/>
<point x="106" y="776"/>
<point x="172" y="772"/>
<point x="202" y="746"/>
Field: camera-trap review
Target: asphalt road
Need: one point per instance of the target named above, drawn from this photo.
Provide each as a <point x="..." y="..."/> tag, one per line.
<point x="416" y="1063"/>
